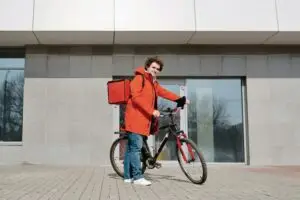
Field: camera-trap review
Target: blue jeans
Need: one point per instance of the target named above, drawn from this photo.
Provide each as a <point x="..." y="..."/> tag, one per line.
<point x="132" y="160"/>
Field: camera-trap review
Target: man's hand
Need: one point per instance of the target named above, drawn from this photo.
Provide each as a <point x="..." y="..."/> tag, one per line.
<point x="156" y="113"/>
<point x="187" y="101"/>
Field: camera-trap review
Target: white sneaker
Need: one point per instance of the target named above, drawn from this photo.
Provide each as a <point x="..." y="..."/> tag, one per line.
<point x="142" y="181"/>
<point x="128" y="180"/>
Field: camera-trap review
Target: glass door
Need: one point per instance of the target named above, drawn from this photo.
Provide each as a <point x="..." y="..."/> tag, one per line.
<point x="176" y="86"/>
<point x="215" y="118"/>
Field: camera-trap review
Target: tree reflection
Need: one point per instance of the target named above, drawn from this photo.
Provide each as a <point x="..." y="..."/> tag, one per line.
<point x="227" y="137"/>
<point x="210" y="125"/>
<point x="11" y="105"/>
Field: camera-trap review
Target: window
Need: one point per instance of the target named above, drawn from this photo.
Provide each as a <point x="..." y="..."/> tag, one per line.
<point x="215" y="118"/>
<point x="11" y="98"/>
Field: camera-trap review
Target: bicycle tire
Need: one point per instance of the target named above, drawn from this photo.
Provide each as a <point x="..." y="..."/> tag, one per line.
<point x="112" y="160"/>
<point x="201" y="157"/>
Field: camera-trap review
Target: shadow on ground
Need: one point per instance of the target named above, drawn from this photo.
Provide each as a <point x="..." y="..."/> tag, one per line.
<point x="154" y="177"/>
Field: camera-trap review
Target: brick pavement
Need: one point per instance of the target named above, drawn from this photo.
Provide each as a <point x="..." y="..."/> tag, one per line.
<point x="234" y="182"/>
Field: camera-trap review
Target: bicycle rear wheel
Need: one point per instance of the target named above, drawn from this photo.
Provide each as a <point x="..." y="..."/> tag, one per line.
<point x="117" y="155"/>
<point x="188" y="153"/>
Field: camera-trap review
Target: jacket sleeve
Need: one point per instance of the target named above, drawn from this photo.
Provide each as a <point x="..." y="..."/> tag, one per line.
<point x="136" y="87"/>
<point x="164" y="93"/>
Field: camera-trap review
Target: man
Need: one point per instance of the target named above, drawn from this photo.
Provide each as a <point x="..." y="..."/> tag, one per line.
<point x="141" y="111"/>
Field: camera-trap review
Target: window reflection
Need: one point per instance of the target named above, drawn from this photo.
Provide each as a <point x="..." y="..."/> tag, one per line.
<point x="215" y="119"/>
<point x="12" y="63"/>
<point x="11" y="99"/>
<point x="169" y="152"/>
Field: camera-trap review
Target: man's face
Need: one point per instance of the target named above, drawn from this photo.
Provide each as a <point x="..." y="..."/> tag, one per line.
<point x="154" y="69"/>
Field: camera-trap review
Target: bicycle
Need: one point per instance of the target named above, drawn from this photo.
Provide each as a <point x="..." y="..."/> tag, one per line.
<point x="150" y="162"/>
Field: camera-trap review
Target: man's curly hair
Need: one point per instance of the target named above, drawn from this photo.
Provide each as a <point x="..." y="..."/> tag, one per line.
<point x="155" y="59"/>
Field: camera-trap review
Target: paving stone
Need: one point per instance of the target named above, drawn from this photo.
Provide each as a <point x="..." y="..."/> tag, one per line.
<point x="236" y="182"/>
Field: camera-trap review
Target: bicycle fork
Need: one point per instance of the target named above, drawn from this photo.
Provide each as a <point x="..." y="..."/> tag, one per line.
<point x="188" y="146"/>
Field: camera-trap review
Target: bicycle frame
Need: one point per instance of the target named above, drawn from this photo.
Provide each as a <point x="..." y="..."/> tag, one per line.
<point x="172" y="131"/>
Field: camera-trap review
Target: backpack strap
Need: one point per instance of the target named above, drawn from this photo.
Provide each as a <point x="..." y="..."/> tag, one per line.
<point x="143" y="83"/>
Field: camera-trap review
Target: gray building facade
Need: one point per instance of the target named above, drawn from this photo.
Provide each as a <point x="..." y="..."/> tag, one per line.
<point x="67" y="120"/>
<point x="241" y="74"/>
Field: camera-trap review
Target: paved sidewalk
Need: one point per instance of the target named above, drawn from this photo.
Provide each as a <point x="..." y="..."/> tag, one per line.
<point x="230" y="182"/>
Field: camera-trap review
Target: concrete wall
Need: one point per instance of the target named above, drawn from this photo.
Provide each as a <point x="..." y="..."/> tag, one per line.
<point x="273" y="82"/>
<point x="11" y="153"/>
<point x="136" y="22"/>
<point x="67" y="119"/>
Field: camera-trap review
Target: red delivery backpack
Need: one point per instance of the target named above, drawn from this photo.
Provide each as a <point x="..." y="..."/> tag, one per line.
<point x="118" y="91"/>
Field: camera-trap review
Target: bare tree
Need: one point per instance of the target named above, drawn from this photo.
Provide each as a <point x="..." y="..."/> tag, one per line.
<point x="228" y="138"/>
<point x="12" y="108"/>
<point x="220" y="115"/>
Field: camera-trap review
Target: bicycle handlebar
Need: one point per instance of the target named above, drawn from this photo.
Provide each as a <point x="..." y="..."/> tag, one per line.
<point x="169" y="111"/>
<point x="180" y="104"/>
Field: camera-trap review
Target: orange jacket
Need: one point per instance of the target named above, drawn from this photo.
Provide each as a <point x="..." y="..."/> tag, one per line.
<point x="140" y="106"/>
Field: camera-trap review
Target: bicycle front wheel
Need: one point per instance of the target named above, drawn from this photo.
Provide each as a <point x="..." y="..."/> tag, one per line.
<point x="117" y="155"/>
<point x="191" y="161"/>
